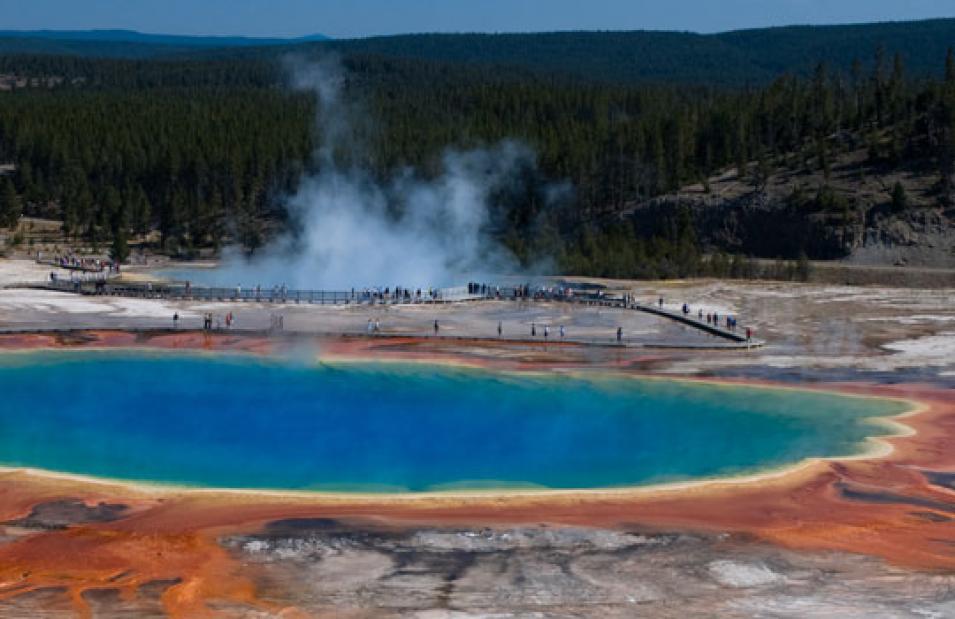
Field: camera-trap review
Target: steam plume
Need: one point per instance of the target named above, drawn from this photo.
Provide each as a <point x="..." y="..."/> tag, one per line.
<point x="354" y="231"/>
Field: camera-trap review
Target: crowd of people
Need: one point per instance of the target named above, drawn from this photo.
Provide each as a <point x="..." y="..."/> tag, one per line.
<point x="73" y="262"/>
<point x="398" y="294"/>
<point x="714" y="319"/>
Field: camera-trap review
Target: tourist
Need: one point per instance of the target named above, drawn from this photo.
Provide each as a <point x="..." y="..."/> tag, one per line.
<point x="562" y="332"/>
<point x="661" y="302"/>
<point x="749" y="334"/>
<point x="377" y="326"/>
<point x="436" y="327"/>
<point x="175" y="320"/>
<point x="500" y="329"/>
<point x="700" y="316"/>
<point x="619" y="334"/>
<point x="546" y="331"/>
<point x="533" y="330"/>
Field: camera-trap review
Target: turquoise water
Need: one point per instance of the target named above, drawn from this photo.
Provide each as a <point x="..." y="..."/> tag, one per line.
<point x="242" y="422"/>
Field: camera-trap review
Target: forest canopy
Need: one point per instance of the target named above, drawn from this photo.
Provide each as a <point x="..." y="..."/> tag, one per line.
<point x="203" y="148"/>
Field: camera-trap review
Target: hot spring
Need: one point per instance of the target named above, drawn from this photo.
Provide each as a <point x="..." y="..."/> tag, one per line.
<point x="254" y="423"/>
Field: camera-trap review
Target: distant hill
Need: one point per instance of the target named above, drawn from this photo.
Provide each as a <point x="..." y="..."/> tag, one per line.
<point x="731" y="58"/>
<point x="128" y="43"/>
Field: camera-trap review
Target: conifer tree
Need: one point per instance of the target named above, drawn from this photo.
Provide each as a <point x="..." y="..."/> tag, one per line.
<point x="950" y="66"/>
<point x="10" y="207"/>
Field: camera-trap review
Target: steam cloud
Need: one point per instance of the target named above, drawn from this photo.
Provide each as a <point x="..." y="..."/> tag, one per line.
<point x="355" y="231"/>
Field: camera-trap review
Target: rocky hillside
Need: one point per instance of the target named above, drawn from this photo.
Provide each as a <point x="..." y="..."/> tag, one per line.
<point x="866" y="212"/>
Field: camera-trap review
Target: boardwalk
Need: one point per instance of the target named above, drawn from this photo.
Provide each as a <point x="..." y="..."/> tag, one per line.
<point x="100" y="286"/>
<point x="688" y="319"/>
<point x="279" y="295"/>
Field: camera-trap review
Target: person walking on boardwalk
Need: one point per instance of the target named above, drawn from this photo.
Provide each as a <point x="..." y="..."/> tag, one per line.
<point x="500" y="328"/>
<point x="175" y="320"/>
<point x="436" y="327"/>
<point x="562" y="332"/>
<point x="620" y="334"/>
<point x="533" y="330"/>
<point x="546" y="331"/>
<point x="661" y="302"/>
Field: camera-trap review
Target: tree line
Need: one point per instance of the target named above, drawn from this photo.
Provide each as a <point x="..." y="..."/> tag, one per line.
<point x="203" y="150"/>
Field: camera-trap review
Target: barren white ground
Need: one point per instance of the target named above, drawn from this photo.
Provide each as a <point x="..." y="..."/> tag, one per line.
<point x="806" y="326"/>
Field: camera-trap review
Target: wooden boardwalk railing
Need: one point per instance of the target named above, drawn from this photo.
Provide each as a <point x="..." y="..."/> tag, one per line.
<point x="102" y="286"/>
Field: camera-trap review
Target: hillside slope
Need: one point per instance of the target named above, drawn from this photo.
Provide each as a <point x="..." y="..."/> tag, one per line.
<point x="859" y="215"/>
<point x="129" y="43"/>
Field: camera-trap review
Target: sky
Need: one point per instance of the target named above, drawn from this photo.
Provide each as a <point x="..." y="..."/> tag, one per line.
<point x="360" y="18"/>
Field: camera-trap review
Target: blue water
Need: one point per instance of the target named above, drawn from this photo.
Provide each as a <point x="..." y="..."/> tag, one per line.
<point x="212" y="277"/>
<point x="242" y="422"/>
